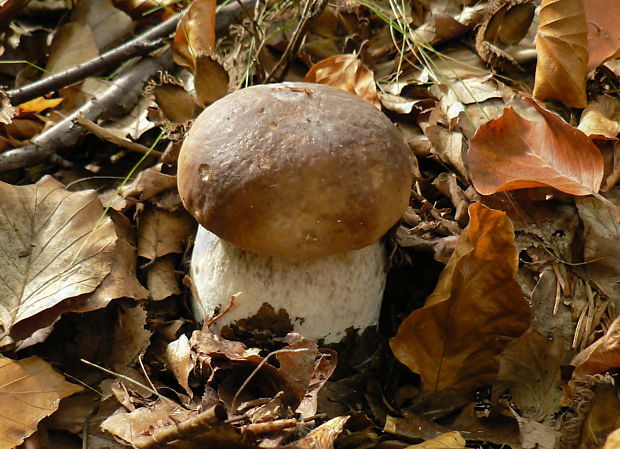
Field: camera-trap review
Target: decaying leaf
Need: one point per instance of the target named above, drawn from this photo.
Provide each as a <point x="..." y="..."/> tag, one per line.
<point x="346" y="72"/>
<point x="176" y="104"/>
<point x="30" y="390"/>
<point x="513" y="152"/>
<point x="477" y="307"/>
<point x="161" y="232"/>
<point x="162" y="279"/>
<point x="73" y="44"/>
<point x="7" y="111"/>
<point x="530" y="368"/>
<point x="55" y="245"/>
<point x="562" y="47"/>
<point x="195" y="34"/>
<point x="601" y="118"/>
<point x="179" y="361"/>
<point x="37" y="105"/>
<point x="148" y="183"/>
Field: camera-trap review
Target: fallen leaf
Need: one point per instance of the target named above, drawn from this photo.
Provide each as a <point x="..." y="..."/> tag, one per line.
<point x="30" y="390"/>
<point x="603" y="34"/>
<point x="162" y="279"/>
<point x="613" y="440"/>
<point x="601" y="118"/>
<point x="7" y="111"/>
<point x="73" y="44"/>
<point x="161" y="232"/>
<point x="55" y="245"/>
<point x="600" y="356"/>
<point x="530" y="368"/>
<point x="535" y="435"/>
<point x="346" y="72"/>
<point x="562" y="48"/>
<point x="179" y="361"/>
<point x="175" y="102"/>
<point x="109" y="24"/>
<point x="449" y="440"/>
<point x="37" y="105"/>
<point x="514" y="152"/>
<point x="148" y="183"/>
<point x="211" y="79"/>
<point x="456" y="339"/>
<point x="195" y="34"/>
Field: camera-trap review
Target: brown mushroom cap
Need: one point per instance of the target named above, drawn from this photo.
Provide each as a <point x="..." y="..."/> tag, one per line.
<point x="295" y="170"/>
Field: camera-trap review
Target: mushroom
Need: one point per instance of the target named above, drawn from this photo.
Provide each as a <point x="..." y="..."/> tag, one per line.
<point x="293" y="185"/>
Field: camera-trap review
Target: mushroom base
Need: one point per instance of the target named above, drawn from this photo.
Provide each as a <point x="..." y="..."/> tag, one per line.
<point x="324" y="297"/>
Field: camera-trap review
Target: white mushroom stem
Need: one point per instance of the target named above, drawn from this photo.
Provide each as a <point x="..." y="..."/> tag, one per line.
<point x="323" y="296"/>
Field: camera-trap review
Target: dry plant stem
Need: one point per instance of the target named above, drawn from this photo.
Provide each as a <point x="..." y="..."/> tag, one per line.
<point x="141" y="45"/>
<point x="186" y="429"/>
<point x="312" y="8"/>
<point x="120" y="96"/>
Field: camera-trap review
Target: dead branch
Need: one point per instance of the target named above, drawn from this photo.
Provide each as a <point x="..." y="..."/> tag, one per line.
<point x="121" y="96"/>
<point x="141" y="45"/>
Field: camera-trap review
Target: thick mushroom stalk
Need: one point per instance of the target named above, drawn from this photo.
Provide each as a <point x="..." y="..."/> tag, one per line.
<point x="299" y="181"/>
<point x="322" y="297"/>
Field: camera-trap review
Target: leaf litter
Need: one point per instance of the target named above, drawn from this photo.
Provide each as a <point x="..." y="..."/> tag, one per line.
<point x="500" y="317"/>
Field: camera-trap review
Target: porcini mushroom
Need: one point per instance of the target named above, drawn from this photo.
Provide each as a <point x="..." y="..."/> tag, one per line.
<point x="293" y="185"/>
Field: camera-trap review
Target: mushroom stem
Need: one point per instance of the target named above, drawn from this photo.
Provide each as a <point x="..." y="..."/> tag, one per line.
<point x="323" y="297"/>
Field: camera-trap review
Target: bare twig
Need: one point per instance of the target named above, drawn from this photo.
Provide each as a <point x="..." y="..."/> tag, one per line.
<point x="121" y="96"/>
<point x="141" y="45"/>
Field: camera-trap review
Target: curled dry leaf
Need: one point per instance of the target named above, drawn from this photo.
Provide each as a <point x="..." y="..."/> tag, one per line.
<point x="477" y="307"/>
<point x="601" y="118"/>
<point x="30" y="390"/>
<point x="195" y="34"/>
<point x="562" y="47"/>
<point x="448" y="440"/>
<point x="346" y="72"/>
<point x="613" y="440"/>
<point x="54" y="246"/>
<point x="600" y="356"/>
<point x="513" y="152"/>
<point x="180" y="362"/>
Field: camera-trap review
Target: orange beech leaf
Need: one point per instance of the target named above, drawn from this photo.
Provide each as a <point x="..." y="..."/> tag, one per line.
<point x="562" y="49"/>
<point x="512" y="152"/>
<point x="603" y="31"/>
<point x="37" y="105"/>
<point x="477" y="308"/>
<point x="195" y="34"/>
<point x="346" y="72"/>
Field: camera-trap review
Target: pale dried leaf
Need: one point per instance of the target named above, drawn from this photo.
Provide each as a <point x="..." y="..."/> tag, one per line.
<point x="55" y="246"/>
<point x="346" y="72"/>
<point x="601" y="118"/>
<point x="109" y="24"/>
<point x="148" y="183"/>
<point x="179" y="360"/>
<point x="613" y="440"/>
<point x="30" y="390"/>
<point x="7" y="111"/>
<point x="161" y="232"/>
<point x="562" y="47"/>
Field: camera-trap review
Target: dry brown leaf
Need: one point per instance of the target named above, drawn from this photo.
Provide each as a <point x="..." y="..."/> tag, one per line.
<point x="30" y="390"/>
<point x="346" y="72"/>
<point x="161" y="232"/>
<point x="175" y="102"/>
<point x="148" y="183"/>
<point x="109" y="24"/>
<point x="600" y="356"/>
<point x="73" y="44"/>
<point x="562" y="48"/>
<point x="477" y="307"/>
<point x="601" y="118"/>
<point x="195" y="34"/>
<point x="601" y="236"/>
<point x="513" y="152"/>
<point x="322" y="437"/>
<point x="449" y="440"/>
<point x="603" y="32"/>
<point x="530" y="368"/>
<point x="55" y="246"/>
<point x="211" y="79"/>
<point x="7" y="111"/>
<point x="162" y="279"/>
